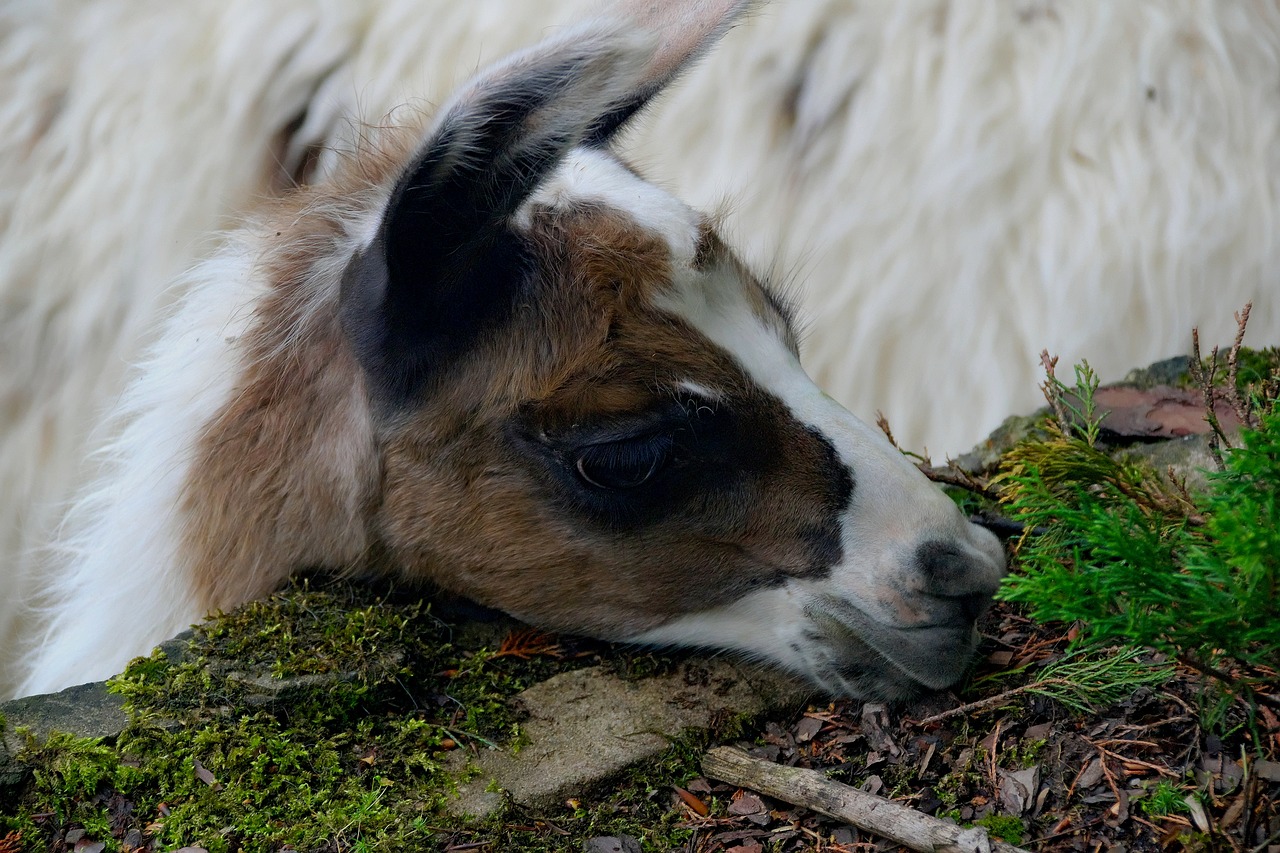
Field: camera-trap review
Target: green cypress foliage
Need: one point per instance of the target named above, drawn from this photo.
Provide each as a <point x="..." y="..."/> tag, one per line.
<point x="1136" y="559"/>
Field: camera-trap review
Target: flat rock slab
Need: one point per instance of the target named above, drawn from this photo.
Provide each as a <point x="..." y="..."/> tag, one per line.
<point x="87" y="710"/>
<point x="586" y="727"/>
<point x="583" y="728"/>
<point x="1188" y="457"/>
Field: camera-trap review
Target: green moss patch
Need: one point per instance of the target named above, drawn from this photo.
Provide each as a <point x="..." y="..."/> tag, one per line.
<point x="323" y="718"/>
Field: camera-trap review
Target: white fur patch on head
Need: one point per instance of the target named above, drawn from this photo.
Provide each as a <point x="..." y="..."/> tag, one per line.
<point x="592" y="176"/>
<point x="715" y="303"/>
<point x="767" y="624"/>
<point x="883" y="602"/>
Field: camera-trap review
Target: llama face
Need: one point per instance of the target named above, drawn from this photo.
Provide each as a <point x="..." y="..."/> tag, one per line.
<point x="635" y="453"/>
<point x="589" y="414"/>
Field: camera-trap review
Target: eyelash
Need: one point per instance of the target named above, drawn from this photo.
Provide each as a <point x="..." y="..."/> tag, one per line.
<point x="624" y="464"/>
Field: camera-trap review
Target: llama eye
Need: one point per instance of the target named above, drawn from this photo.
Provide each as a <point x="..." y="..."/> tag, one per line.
<point x="621" y="465"/>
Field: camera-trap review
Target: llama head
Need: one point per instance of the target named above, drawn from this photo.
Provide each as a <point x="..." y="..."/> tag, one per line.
<point x="576" y="405"/>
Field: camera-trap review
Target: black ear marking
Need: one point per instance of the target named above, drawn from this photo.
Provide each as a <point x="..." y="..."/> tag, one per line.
<point x="611" y="123"/>
<point x="445" y="266"/>
<point x="404" y="336"/>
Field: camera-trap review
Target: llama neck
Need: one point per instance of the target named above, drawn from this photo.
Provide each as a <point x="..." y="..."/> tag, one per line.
<point x="242" y="451"/>
<point x="284" y="473"/>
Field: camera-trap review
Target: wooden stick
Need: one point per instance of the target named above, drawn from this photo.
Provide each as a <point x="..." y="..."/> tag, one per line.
<point x="813" y="790"/>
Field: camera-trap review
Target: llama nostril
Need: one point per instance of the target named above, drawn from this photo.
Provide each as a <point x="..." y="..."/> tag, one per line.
<point x="964" y="579"/>
<point x="946" y="569"/>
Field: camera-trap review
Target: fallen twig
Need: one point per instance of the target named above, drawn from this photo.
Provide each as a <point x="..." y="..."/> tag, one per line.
<point x="809" y="788"/>
<point x="1079" y="682"/>
<point x="950" y="474"/>
<point x="1251" y="689"/>
<point x="953" y="475"/>
<point x="986" y="704"/>
<point x="1002" y="526"/>
<point x="1136" y="762"/>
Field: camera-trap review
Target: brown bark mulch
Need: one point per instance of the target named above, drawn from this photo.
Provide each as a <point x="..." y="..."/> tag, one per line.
<point x="1168" y="769"/>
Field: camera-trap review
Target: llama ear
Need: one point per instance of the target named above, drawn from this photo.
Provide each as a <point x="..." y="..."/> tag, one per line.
<point x="685" y="30"/>
<point x="445" y="264"/>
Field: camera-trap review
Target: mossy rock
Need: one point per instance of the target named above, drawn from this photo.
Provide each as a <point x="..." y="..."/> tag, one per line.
<point x="347" y="716"/>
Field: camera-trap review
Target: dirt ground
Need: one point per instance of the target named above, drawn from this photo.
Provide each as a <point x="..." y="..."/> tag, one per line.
<point x="1170" y="768"/>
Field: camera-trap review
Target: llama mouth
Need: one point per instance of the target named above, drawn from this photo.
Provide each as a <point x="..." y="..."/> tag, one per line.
<point x="894" y="662"/>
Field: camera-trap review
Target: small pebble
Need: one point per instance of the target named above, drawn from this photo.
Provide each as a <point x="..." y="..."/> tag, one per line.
<point x="611" y="844"/>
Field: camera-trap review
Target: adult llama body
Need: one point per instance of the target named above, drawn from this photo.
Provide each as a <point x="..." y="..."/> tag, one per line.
<point x="950" y="187"/>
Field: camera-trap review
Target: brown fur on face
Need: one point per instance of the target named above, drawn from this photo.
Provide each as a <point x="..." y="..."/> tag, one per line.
<point x="474" y="488"/>
<point x="480" y="494"/>
<point x="286" y="475"/>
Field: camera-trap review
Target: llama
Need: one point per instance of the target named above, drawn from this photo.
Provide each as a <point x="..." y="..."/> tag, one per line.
<point x="487" y="354"/>
<point x="953" y="184"/>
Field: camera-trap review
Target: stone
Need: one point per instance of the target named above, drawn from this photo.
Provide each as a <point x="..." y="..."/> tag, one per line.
<point x="1014" y="429"/>
<point x="611" y="844"/>
<point x="86" y="710"/>
<point x="1149" y="394"/>
<point x="265" y="689"/>
<point x="176" y="650"/>
<point x="583" y="728"/>
<point x="808" y="729"/>
<point x="1188" y="456"/>
<point x="13" y="773"/>
<point x="843" y="836"/>
<point x="586" y="727"/>
<point x="1168" y="371"/>
<point x="1130" y="415"/>
<point x="1018" y="790"/>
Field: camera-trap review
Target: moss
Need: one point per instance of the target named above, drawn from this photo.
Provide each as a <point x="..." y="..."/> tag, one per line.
<point x="1028" y="753"/>
<point x="899" y="779"/>
<point x="70" y="775"/>
<point x="323" y="718"/>
<point x="1254" y="367"/>
<point x="1169" y="371"/>
<point x="1197" y="842"/>
<point x="727" y="726"/>
<point x="642" y="665"/>
<point x="333" y="717"/>
<point x="957" y="785"/>
<point x="1163" y="798"/>
<point x="1005" y="827"/>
